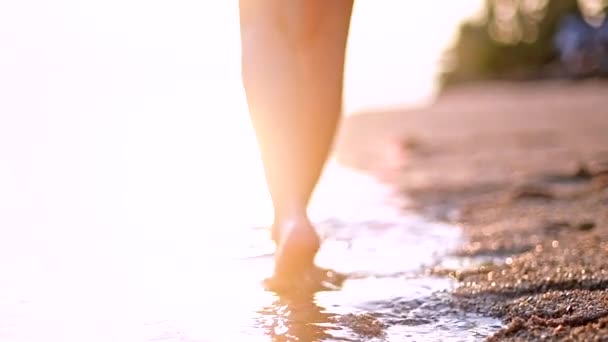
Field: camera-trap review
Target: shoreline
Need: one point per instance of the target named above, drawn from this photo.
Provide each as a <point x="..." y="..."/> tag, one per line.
<point x="523" y="169"/>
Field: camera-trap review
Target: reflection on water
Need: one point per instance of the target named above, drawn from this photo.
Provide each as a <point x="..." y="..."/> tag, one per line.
<point x="171" y="290"/>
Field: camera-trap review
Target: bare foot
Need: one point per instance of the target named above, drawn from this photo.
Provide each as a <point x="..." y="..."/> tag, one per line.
<point x="295" y="272"/>
<point x="297" y="245"/>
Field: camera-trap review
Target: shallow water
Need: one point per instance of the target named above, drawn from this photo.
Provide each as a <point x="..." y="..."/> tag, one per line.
<point x="176" y="287"/>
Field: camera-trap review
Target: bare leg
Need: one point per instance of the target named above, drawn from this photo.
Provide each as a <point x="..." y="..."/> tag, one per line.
<point x="293" y="65"/>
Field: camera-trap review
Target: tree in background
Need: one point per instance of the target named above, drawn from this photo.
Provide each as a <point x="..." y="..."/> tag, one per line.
<point x="514" y="40"/>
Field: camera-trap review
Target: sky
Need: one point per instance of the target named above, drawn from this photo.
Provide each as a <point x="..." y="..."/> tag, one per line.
<point x="131" y="112"/>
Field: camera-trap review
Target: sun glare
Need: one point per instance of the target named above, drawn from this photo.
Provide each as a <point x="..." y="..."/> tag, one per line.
<point x="133" y="117"/>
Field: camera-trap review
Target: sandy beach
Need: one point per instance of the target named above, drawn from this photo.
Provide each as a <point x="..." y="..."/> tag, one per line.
<point x="523" y="169"/>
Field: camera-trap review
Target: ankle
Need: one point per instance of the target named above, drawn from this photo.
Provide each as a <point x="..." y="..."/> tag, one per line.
<point x="296" y="219"/>
<point x="291" y="214"/>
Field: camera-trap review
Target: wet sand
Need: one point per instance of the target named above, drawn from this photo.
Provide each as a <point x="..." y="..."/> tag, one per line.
<point x="523" y="169"/>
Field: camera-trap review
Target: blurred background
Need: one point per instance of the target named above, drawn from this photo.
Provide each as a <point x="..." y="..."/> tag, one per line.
<point x="133" y="93"/>
<point x="524" y="40"/>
